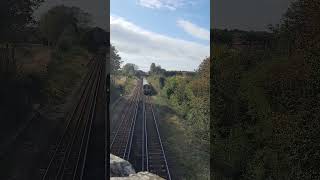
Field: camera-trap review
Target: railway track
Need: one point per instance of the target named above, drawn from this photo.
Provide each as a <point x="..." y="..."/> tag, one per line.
<point x="121" y="136"/>
<point x="155" y="160"/>
<point x="67" y="159"/>
<point x="116" y="123"/>
<point x="136" y="137"/>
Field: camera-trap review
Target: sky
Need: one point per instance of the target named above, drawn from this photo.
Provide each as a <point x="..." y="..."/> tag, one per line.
<point x="174" y="34"/>
<point x="247" y="14"/>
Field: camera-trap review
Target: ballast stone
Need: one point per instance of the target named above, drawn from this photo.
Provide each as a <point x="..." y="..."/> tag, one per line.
<point x="139" y="176"/>
<point x="121" y="169"/>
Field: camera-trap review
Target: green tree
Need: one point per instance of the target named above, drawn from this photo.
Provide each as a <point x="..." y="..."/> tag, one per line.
<point x="54" y="22"/>
<point x="15" y="16"/>
<point x="156" y="69"/>
<point x="152" y="68"/>
<point x="301" y="22"/>
<point x="67" y="38"/>
<point x="130" y="69"/>
<point x="115" y="59"/>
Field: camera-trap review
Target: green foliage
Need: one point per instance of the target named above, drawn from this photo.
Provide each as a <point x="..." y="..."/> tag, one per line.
<point x="188" y="96"/>
<point x="161" y="82"/>
<point x="64" y="71"/>
<point x="68" y="38"/>
<point x="17" y="95"/>
<point x="152" y="67"/>
<point x="265" y="114"/>
<point x="227" y="37"/>
<point x="129" y="69"/>
<point x="15" y="15"/>
<point x="156" y="70"/>
<point x="129" y="85"/>
<point x="60" y="19"/>
<point x="95" y="38"/>
<point x="115" y="60"/>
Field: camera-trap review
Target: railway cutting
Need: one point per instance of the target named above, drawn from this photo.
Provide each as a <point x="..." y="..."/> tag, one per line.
<point x="135" y="135"/>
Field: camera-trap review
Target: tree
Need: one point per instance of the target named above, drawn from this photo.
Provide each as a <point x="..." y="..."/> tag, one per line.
<point x="301" y="24"/>
<point x="67" y="38"/>
<point x="161" y="82"/>
<point x="95" y="38"/>
<point x="201" y="84"/>
<point x="115" y="59"/>
<point x="130" y="69"/>
<point x="54" y="22"/>
<point x="156" y="69"/>
<point x="152" y="68"/>
<point x="15" y="16"/>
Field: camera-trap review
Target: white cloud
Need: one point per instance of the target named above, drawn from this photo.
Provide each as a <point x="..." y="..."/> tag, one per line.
<point x="142" y="47"/>
<point x="194" y="29"/>
<point x="169" y="4"/>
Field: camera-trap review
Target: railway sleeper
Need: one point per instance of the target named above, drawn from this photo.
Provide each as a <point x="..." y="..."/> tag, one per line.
<point x="155" y="153"/>
<point x="157" y="166"/>
<point x="156" y="161"/>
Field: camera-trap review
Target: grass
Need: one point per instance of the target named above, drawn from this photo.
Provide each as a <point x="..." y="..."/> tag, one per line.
<point x="130" y="84"/>
<point x="64" y="71"/>
<point x="185" y="161"/>
<point x="122" y="86"/>
<point x="125" y="84"/>
<point x="45" y="79"/>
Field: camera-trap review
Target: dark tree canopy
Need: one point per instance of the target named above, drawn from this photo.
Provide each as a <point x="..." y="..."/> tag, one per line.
<point x="15" y="16"/>
<point x="263" y="116"/>
<point x="96" y="38"/>
<point x="54" y="22"/>
<point x="301" y="22"/>
<point x="156" y="69"/>
<point x="152" y="67"/>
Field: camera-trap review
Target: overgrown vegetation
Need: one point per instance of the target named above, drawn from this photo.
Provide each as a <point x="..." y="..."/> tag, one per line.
<point x="183" y="100"/>
<point x="16" y="18"/>
<point x="64" y="71"/>
<point x="123" y="80"/>
<point x="265" y="114"/>
<point x="43" y="75"/>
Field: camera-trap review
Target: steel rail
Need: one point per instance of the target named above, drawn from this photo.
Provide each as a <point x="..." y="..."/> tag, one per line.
<point x="146" y="134"/>
<point x="125" y="134"/>
<point x="123" y="111"/>
<point x="70" y="117"/>
<point x="134" y="118"/>
<point x="123" y="117"/>
<point x="162" y="149"/>
<point x="116" y="102"/>
<point x="113" y="125"/>
<point x="83" y="133"/>
<point x="78" y="129"/>
<point x="143" y="132"/>
<point x="91" y="120"/>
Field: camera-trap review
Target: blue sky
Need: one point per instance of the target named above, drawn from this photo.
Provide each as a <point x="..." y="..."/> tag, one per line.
<point x="171" y="33"/>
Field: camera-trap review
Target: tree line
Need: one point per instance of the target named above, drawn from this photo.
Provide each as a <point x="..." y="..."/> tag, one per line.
<point x="65" y="33"/>
<point x="187" y="95"/>
<point x="261" y="127"/>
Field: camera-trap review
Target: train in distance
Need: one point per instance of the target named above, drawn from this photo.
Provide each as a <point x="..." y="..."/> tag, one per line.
<point x="147" y="90"/>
